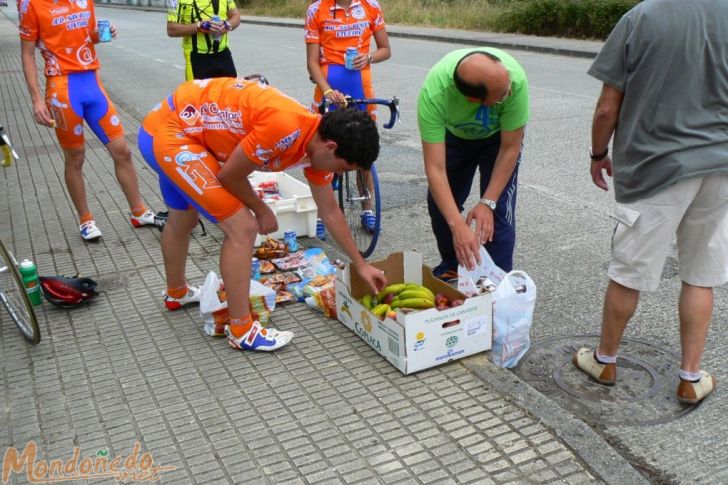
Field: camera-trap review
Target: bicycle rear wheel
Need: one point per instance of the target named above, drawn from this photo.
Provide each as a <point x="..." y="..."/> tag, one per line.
<point x="15" y="299"/>
<point x="358" y="191"/>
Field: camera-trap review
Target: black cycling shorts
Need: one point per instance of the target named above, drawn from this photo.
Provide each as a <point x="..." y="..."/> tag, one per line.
<point x="217" y="64"/>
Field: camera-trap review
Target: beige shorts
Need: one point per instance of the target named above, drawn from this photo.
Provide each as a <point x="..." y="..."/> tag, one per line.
<point x="696" y="211"/>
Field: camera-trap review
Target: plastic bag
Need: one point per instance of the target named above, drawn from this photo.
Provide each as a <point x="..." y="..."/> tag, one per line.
<point x="214" y="307"/>
<point x="513" y="303"/>
<point x="469" y="282"/>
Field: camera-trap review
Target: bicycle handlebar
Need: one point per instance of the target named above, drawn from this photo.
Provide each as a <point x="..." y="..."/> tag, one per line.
<point x="392" y="103"/>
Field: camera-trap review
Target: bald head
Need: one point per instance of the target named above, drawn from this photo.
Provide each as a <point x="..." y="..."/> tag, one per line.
<point x="482" y="76"/>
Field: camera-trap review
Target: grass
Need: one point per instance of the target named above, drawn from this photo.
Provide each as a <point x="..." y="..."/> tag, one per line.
<point x="454" y="14"/>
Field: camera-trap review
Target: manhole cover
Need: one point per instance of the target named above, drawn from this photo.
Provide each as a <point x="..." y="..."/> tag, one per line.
<point x="647" y="377"/>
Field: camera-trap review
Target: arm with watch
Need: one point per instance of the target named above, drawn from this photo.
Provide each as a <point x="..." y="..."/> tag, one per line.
<point x="604" y="123"/>
<point x="505" y="162"/>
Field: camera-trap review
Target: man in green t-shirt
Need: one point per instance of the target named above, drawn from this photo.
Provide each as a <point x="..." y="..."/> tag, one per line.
<point x="203" y="26"/>
<point x="472" y="112"/>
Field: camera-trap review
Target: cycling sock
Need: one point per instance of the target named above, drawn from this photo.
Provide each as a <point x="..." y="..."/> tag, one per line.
<point x="605" y="359"/>
<point x="240" y="326"/>
<point x="178" y="292"/>
<point x="689" y="376"/>
<point x="86" y="218"/>
<point x="138" y="211"/>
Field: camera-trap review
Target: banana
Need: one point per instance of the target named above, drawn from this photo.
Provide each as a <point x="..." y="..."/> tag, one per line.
<point x="395" y="289"/>
<point x="418" y="293"/>
<point x="414" y="286"/>
<point x="380" y="310"/>
<point x="366" y="300"/>
<point x="416" y="303"/>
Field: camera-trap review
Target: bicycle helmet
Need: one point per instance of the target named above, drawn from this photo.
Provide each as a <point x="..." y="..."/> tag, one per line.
<point x="67" y="292"/>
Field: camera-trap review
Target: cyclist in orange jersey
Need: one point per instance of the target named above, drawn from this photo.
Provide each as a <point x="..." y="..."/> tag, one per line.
<point x="204" y="141"/>
<point x="331" y="27"/>
<point x="65" y="33"/>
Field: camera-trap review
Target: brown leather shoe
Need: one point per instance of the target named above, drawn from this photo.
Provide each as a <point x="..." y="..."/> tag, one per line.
<point x="585" y="361"/>
<point x="694" y="392"/>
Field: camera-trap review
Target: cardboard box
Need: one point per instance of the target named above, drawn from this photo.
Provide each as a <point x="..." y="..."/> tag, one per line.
<point x="421" y="339"/>
<point x="295" y="211"/>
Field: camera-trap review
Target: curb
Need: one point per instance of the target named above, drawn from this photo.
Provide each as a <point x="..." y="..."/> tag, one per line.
<point x="590" y="447"/>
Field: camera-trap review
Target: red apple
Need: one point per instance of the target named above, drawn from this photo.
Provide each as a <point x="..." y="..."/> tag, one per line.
<point x="388" y="298"/>
<point x="442" y="307"/>
<point x="455" y="303"/>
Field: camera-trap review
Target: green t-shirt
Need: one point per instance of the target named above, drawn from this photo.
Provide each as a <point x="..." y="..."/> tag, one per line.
<point x="441" y="107"/>
<point x="193" y="11"/>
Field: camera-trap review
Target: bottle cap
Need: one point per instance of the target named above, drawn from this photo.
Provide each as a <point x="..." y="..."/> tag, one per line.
<point x="26" y="263"/>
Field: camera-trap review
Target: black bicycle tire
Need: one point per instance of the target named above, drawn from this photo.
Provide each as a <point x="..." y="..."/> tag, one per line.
<point x="34" y="336"/>
<point x="346" y="185"/>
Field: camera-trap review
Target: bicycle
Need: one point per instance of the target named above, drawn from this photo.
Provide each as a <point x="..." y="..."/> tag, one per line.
<point x="12" y="290"/>
<point x="359" y="190"/>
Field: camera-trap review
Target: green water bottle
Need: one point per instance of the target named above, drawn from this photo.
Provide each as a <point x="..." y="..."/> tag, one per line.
<point x="31" y="281"/>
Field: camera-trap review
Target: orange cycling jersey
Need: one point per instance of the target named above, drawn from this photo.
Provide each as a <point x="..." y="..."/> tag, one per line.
<point x="64" y="30"/>
<point x="272" y="129"/>
<point x="335" y="28"/>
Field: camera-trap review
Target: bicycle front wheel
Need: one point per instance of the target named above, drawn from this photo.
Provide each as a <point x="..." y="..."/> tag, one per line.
<point x="358" y="193"/>
<point x="15" y="299"/>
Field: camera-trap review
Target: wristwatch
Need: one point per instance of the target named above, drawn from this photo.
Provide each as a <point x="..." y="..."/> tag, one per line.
<point x="598" y="157"/>
<point x="488" y="203"/>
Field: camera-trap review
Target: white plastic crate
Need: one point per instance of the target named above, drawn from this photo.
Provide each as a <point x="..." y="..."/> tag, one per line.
<point x="295" y="211"/>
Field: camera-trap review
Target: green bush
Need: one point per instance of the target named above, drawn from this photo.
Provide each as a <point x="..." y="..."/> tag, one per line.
<point x="564" y="18"/>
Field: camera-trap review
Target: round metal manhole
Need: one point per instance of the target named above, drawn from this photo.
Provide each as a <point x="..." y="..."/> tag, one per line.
<point x="647" y="377"/>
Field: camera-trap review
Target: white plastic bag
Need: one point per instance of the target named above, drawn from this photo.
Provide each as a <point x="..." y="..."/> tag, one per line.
<point x="468" y="280"/>
<point x="213" y="304"/>
<point x="513" y="303"/>
<point x="210" y="299"/>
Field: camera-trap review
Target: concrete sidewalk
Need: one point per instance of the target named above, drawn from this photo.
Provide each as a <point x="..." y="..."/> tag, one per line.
<point x="325" y="409"/>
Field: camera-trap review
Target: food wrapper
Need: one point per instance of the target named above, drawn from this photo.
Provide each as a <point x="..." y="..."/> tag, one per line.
<point x="325" y="300"/>
<point x="292" y="261"/>
<point x="267" y="267"/>
<point x="271" y="248"/>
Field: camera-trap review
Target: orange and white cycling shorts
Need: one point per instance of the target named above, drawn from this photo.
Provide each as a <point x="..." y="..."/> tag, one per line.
<point x="192" y="180"/>
<point x="78" y="96"/>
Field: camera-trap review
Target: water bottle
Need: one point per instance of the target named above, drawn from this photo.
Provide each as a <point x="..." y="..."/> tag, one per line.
<point x="216" y="35"/>
<point x="31" y="281"/>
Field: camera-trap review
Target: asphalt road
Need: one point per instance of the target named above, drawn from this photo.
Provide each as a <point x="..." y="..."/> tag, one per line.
<point x="563" y="219"/>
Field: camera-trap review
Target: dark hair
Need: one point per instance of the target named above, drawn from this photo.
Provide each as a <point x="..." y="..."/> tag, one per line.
<point x="477" y="91"/>
<point x="355" y="134"/>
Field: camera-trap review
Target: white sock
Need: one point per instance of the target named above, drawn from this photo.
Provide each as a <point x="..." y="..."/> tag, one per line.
<point x="605" y="359"/>
<point x="689" y="376"/>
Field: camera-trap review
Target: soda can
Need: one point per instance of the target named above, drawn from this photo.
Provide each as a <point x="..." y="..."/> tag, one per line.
<point x="351" y="53"/>
<point x="104" y="27"/>
<point x="255" y="269"/>
<point x="289" y="237"/>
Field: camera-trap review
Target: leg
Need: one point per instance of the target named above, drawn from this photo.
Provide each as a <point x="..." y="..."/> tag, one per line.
<point x="176" y="243"/>
<point x="125" y="171"/>
<point x="504" y="220"/>
<point x="695" y="309"/>
<point x="235" y="265"/>
<point x="74" y="158"/>
<point x="235" y="259"/>
<point x="620" y="304"/>
<point x="460" y="168"/>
